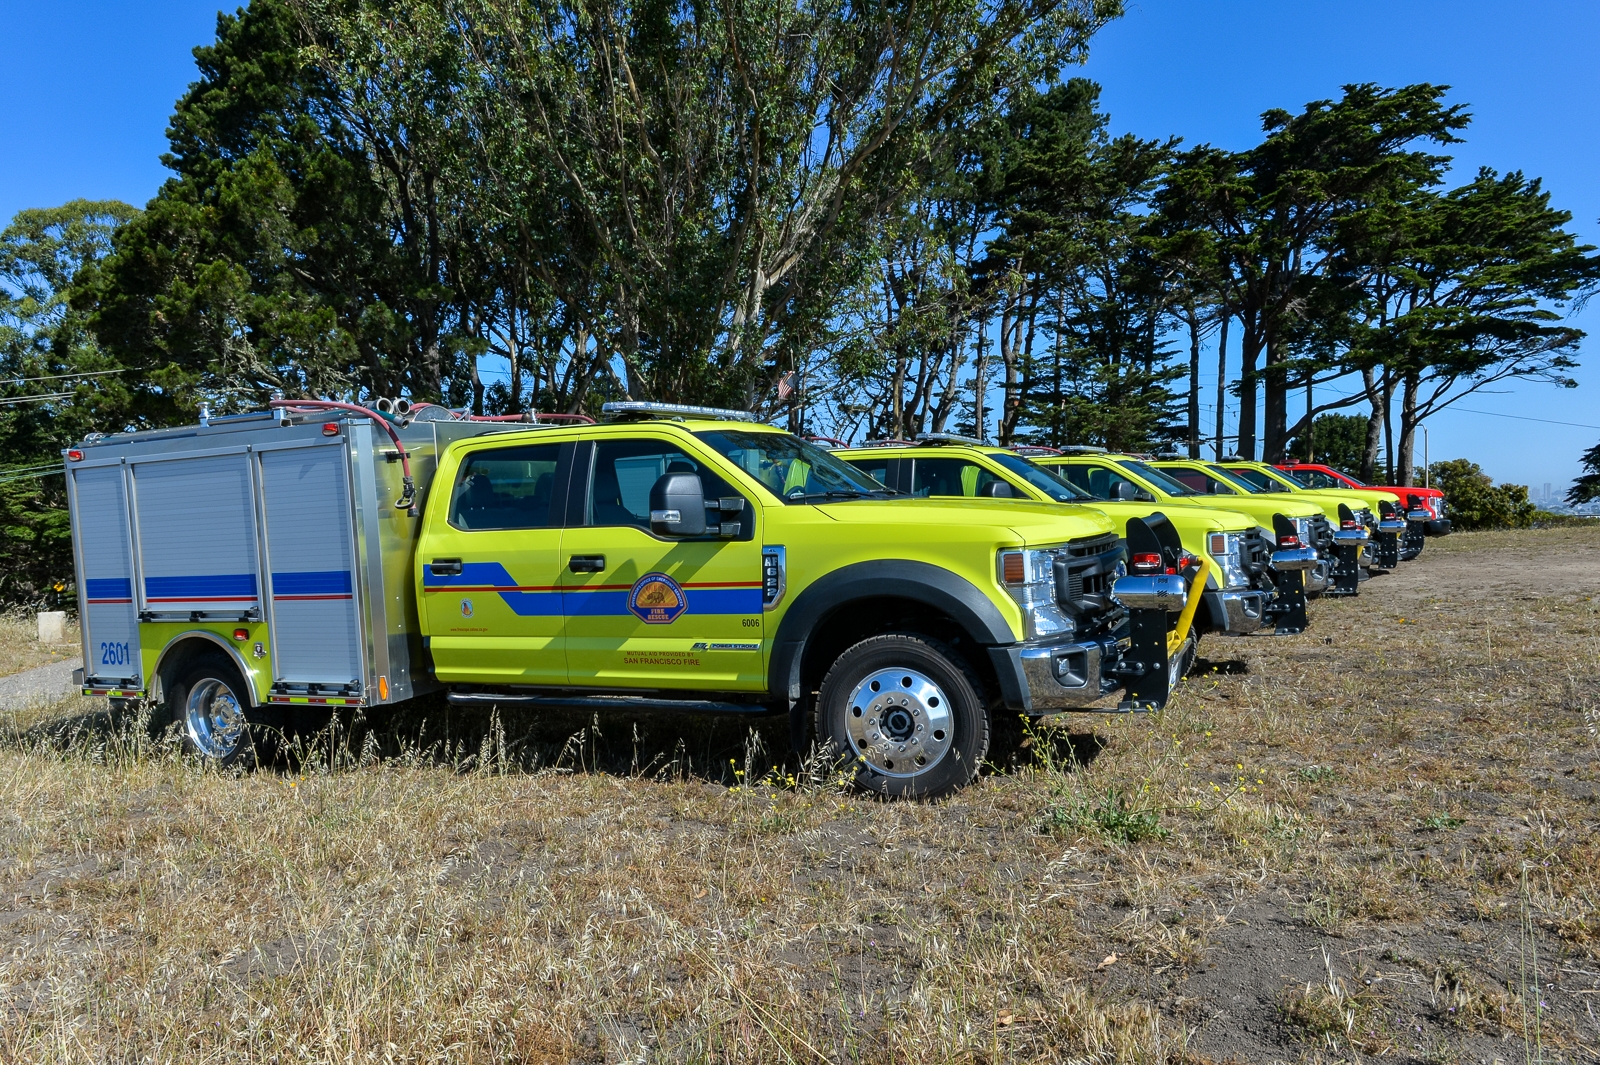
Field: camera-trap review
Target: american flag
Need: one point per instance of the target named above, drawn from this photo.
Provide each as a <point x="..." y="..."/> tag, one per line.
<point x="785" y="386"/>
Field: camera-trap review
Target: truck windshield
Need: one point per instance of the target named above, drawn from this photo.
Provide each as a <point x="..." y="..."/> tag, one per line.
<point x="1159" y="479"/>
<point x="1042" y="479"/>
<point x="791" y="469"/>
<point x="1298" y="480"/>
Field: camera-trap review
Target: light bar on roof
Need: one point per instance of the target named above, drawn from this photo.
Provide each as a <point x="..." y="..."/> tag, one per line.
<point x="642" y="409"/>
<point x="948" y="438"/>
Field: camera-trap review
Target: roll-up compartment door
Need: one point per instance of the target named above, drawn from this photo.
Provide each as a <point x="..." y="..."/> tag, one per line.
<point x="316" y="638"/>
<point x="105" y="548"/>
<point x="197" y="537"/>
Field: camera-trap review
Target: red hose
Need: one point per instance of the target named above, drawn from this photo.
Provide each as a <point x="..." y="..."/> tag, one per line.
<point x="408" y="491"/>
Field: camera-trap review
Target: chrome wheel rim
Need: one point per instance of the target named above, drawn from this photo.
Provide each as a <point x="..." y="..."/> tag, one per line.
<point x="213" y="719"/>
<point x="899" y="722"/>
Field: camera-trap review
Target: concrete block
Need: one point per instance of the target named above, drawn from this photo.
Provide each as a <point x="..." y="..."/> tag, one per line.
<point x="53" y="626"/>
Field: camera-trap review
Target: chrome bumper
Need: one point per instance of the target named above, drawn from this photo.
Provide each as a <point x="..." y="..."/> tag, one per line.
<point x="1438" y="527"/>
<point x="1318" y="577"/>
<point x="1062" y="676"/>
<point x="1236" y="613"/>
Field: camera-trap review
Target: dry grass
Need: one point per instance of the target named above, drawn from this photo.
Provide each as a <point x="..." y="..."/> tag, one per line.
<point x="1376" y="838"/>
<point x="20" y="647"/>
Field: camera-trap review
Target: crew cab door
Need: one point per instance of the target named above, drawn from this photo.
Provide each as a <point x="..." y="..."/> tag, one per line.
<point x="490" y="567"/>
<point x="643" y="611"/>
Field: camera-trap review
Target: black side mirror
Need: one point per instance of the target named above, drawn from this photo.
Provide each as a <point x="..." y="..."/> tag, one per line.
<point x="998" y="490"/>
<point x="678" y="505"/>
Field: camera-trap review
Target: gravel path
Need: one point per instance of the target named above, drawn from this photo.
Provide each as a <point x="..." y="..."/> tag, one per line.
<point x="35" y="687"/>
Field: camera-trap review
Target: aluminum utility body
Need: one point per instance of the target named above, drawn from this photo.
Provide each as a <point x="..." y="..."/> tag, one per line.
<point x="672" y="559"/>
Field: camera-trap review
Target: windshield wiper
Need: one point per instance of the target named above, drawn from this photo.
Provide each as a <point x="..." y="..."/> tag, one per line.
<point x="838" y="493"/>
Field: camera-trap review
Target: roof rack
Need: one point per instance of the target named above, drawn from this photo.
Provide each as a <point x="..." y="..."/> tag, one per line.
<point x="935" y="439"/>
<point x="1035" y="449"/>
<point x="640" y="409"/>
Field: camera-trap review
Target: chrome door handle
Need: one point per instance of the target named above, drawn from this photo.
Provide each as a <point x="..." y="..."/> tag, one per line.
<point x="586" y="563"/>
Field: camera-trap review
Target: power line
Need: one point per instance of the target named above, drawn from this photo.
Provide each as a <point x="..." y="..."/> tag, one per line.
<point x="62" y="376"/>
<point x="36" y="399"/>
<point x="1521" y="417"/>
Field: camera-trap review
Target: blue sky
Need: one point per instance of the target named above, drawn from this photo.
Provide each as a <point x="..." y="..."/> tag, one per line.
<point x="89" y="85"/>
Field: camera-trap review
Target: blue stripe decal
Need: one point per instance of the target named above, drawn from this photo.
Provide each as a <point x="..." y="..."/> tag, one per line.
<point x="108" y="588"/>
<point x="493" y="577"/>
<point x="216" y="586"/>
<point x="473" y="573"/>
<point x="322" y="582"/>
<point x="533" y="604"/>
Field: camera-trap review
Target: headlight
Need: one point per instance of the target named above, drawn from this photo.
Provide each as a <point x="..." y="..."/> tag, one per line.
<point x="1029" y="577"/>
<point x="1226" y="551"/>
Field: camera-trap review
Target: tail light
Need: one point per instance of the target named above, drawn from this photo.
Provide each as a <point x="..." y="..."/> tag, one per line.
<point x="1145" y="562"/>
<point x="1350" y="524"/>
<point x="1288" y="542"/>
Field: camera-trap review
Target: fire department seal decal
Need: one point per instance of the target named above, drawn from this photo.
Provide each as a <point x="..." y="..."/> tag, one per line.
<point x="466" y="608"/>
<point x="656" y="599"/>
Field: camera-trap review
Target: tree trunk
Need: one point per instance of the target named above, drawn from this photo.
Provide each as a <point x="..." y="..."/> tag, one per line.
<point x="1369" y="454"/>
<point x="1388" y="426"/>
<point x="1194" y="381"/>
<point x="1408" y="430"/>
<point x="1275" y="403"/>
<point x="1249" y="352"/>
<point x="1222" y="379"/>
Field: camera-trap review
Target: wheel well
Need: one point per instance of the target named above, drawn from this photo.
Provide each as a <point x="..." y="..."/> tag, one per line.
<point x="851" y="622"/>
<point x="185" y="651"/>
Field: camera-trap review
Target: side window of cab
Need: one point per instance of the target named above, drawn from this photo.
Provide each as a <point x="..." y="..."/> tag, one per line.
<point x="505" y="488"/>
<point x="626" y="470"/>
<point x="955" y="477"/>
<point x="1318" y="479"/>
<point x="1190" y="478"/>
<point x="1102" y="482"/>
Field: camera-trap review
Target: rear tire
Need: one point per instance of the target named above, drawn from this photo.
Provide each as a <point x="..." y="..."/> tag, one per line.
<point x="212" y="708"/>
<point x="907" y="711"/>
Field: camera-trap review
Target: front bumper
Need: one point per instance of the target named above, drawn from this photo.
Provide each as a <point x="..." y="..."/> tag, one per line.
<point x="1039" y="678"/>
<point x="1235" y="613"/>
<point x="1436" y="527"/>
<point x="1319" y="577"/>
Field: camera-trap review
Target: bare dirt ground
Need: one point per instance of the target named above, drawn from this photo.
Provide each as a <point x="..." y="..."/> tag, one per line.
<point x="1377" y="840"/>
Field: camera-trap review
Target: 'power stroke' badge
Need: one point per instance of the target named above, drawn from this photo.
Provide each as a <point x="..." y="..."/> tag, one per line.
<point x="656" y="599"/>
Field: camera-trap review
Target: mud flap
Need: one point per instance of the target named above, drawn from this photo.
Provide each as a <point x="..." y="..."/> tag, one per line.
<point x="1386" y="545"/>
<point x="1347" y="561"/>
<point x="1144" y="664"/>
<point x="1288" y="607"/>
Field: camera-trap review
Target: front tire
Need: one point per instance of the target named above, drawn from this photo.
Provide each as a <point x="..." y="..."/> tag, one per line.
<point x="211" y="706"/>
<point x="906" y="710"/>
